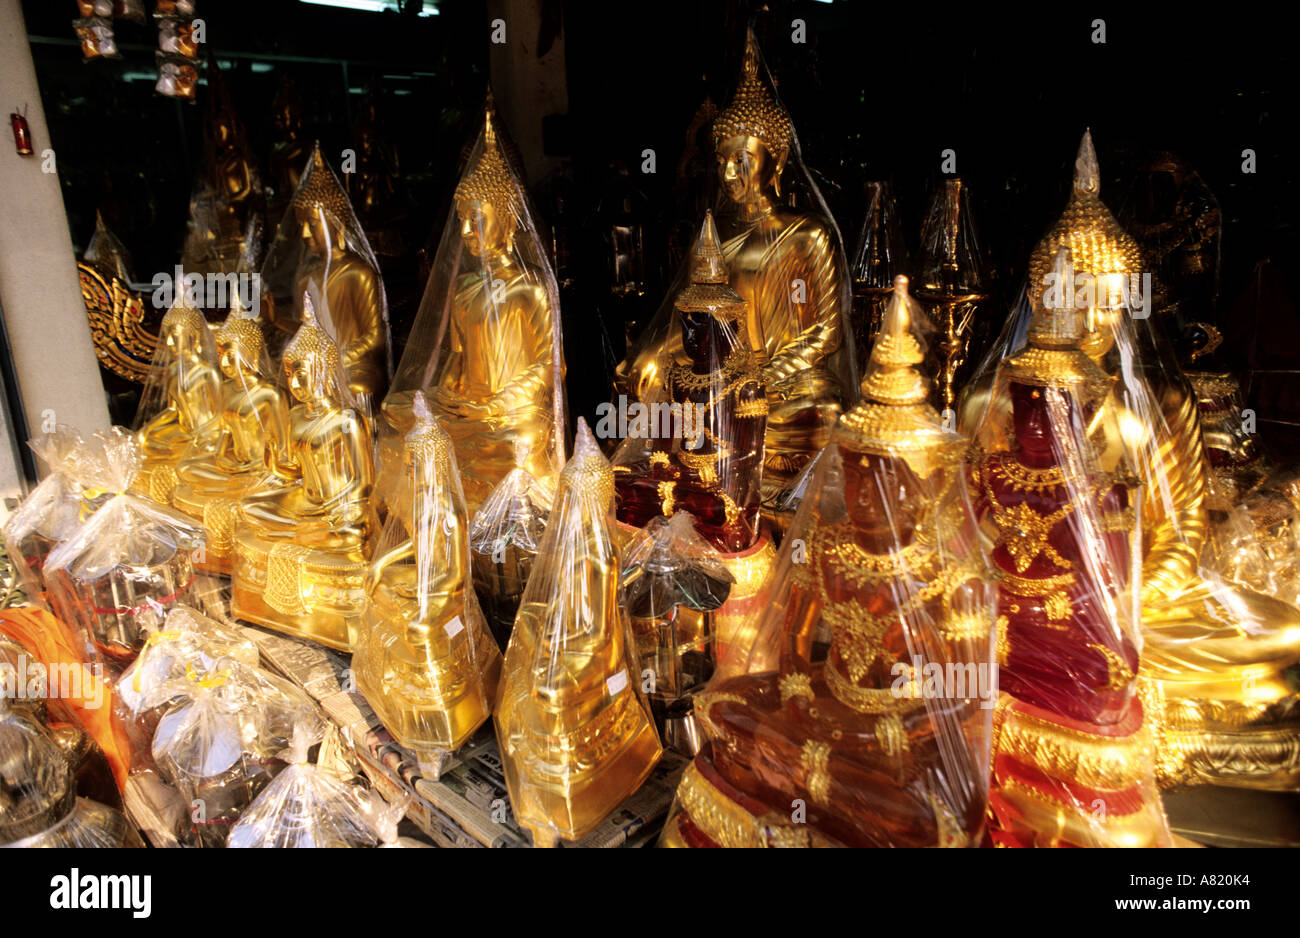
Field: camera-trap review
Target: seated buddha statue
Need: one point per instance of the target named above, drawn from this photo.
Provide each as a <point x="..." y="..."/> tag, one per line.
<point x="826" y="734"/>
<point x="576" y="736"/>
<point x="337" y="258"/>
<point x="185" y="385"/>
<point x="250" y="442"/>
<point x="788" y="267"/>
<point x="493" y="384"/>
<point x="291" y="149"/>
<point x="424" y="658"/>
<point x="1073" y="760"/>
<point x="1224" y="712"/>
<point x="302" y="544"/>
<point x="711" y="465"/>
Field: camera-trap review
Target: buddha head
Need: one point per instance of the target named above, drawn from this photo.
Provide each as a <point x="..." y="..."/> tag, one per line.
<point x="427" y="455"/>
<point x="1099" y="247"/>
<point x="709" y="310"/>
<point x="487" y="200"/>
<point x="239" y="345"/>
<point x="182" y="329"/>
<point x="320" y="207"/>
<point x="896" y="454"/>
<point x="1034" y="419"/>
<point x="751" y="138"/>
<point x="311" y="360"/>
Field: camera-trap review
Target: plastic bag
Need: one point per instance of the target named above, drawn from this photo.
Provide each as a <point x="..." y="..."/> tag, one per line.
<point x="504" y="538"/>
<point x="123" y="568"/>
<point x="575" y="733"/>
<point x="881" y="256"/>
<point x="39" y="806"/>
<point x="219" y="733"/>
<point x="868" y="688"/>
<point x="309" y="806"/>
<point x="51" y="511"/>
<point x="485" y="347"/>
<point x="424" y="658"/>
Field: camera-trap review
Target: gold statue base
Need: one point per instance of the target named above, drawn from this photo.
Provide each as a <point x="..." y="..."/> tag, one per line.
<point x="416" y="720"/>
<point x="219" y="516"/>
<point x="736" y="620"/>
<point x="301" y="591"/>
<point x="570" y="808"/>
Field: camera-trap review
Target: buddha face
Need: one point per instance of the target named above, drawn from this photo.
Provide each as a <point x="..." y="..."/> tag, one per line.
<point x="180" y="338"/>
<point x="704" y="338"/>
<point x="747" y="169"/>
<point x="320" y="229"/>
<point x="882" y="493"/>
<point x="228" y="357"/>
<point x="305" y="379"/>
<point x="1034" y="424"/>
<point x="484" y="231"/>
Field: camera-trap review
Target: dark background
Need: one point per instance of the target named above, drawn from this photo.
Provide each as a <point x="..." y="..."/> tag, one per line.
<point x="877" y="92"/>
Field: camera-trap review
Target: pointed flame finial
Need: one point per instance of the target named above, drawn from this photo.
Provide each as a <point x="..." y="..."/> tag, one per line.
<point x="1087" y="172"/>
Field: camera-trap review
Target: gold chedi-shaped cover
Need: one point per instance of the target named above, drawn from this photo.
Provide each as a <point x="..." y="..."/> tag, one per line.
<point x="575" y="733"/>
<point x="424" y="658"/>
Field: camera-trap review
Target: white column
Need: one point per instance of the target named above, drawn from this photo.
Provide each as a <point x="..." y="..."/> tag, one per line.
<point x="49" y="334"/>
<point x="526" y="88"/>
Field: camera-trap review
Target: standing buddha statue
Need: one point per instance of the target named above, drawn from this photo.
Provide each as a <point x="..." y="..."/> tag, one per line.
<point x="576" y="736"/>
<point x="251" y="440"/>
<point x="303" y="543"/>
<point x="494" y="377"/>
<point x="1072" y="755"/>
<point x="425" y="659"/>
<point x="832" y="729"/>
<point x="180" y="400"/>
<point x="1216" y="652"/>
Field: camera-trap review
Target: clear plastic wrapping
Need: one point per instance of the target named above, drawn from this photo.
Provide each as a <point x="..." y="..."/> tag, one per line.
<point x="250" y="443"/>
<point x="860" y="713"/>
<point x="131" y="561"/>
<point x="787" y="264"/>
<point x="574" y="730"/>
<point x="304" y="534"/>
<point x="701" y="448"/>
<point x="51" y="511"/>
<point x="672" y="580"/>
<point x="504" y="538"/>
<point x="881" y="255"/>
<point x="39" y="806"/>
<point x="320" y="241"/>
<point x="485" y="347"/>
<point x="218" y="733"/>
<point x="307" y="805"/>
<point x="1219" y="705"/>
<point x="424" y="657"/>
<point x="180" y="400"/>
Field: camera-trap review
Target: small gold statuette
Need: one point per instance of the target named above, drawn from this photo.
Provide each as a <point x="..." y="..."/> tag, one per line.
<point x="575" y="733"/>
<point x="424" y="658"/>
<point x="250" y="441"/>
<point x="303" y="543"/>
<point x="180" y="400"/>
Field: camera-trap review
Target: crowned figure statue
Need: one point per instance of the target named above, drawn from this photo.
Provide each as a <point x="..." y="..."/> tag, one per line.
<point x="833" y="728"/>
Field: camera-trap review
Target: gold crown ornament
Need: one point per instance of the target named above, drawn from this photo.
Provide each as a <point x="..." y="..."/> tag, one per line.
<point x="428" y="442"/>
<point x="490" y="180"/>
<point x="320" y="190"/>
<point x="754" y="111"/>
<point x="311" y="342"/>
<point x="709" y="290"/>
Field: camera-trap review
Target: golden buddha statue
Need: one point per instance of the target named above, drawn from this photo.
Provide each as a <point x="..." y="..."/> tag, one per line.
<point x="1221" y="709"/>
<point x="291" y="150"/>
<point x="334" y="254"/>
<point x="788" y="266"/>
<point x="180" y="401"/>
<point x="251" y="441"/>
<point x="495" y="380"/>
<point x="833" y="730"/>
<point x="575" y="733"/>
<point x="424" y="658"/>
<point x="303" y="543"/>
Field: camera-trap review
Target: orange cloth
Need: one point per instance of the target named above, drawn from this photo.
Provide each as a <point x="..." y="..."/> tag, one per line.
<point x="52" y="643"/>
